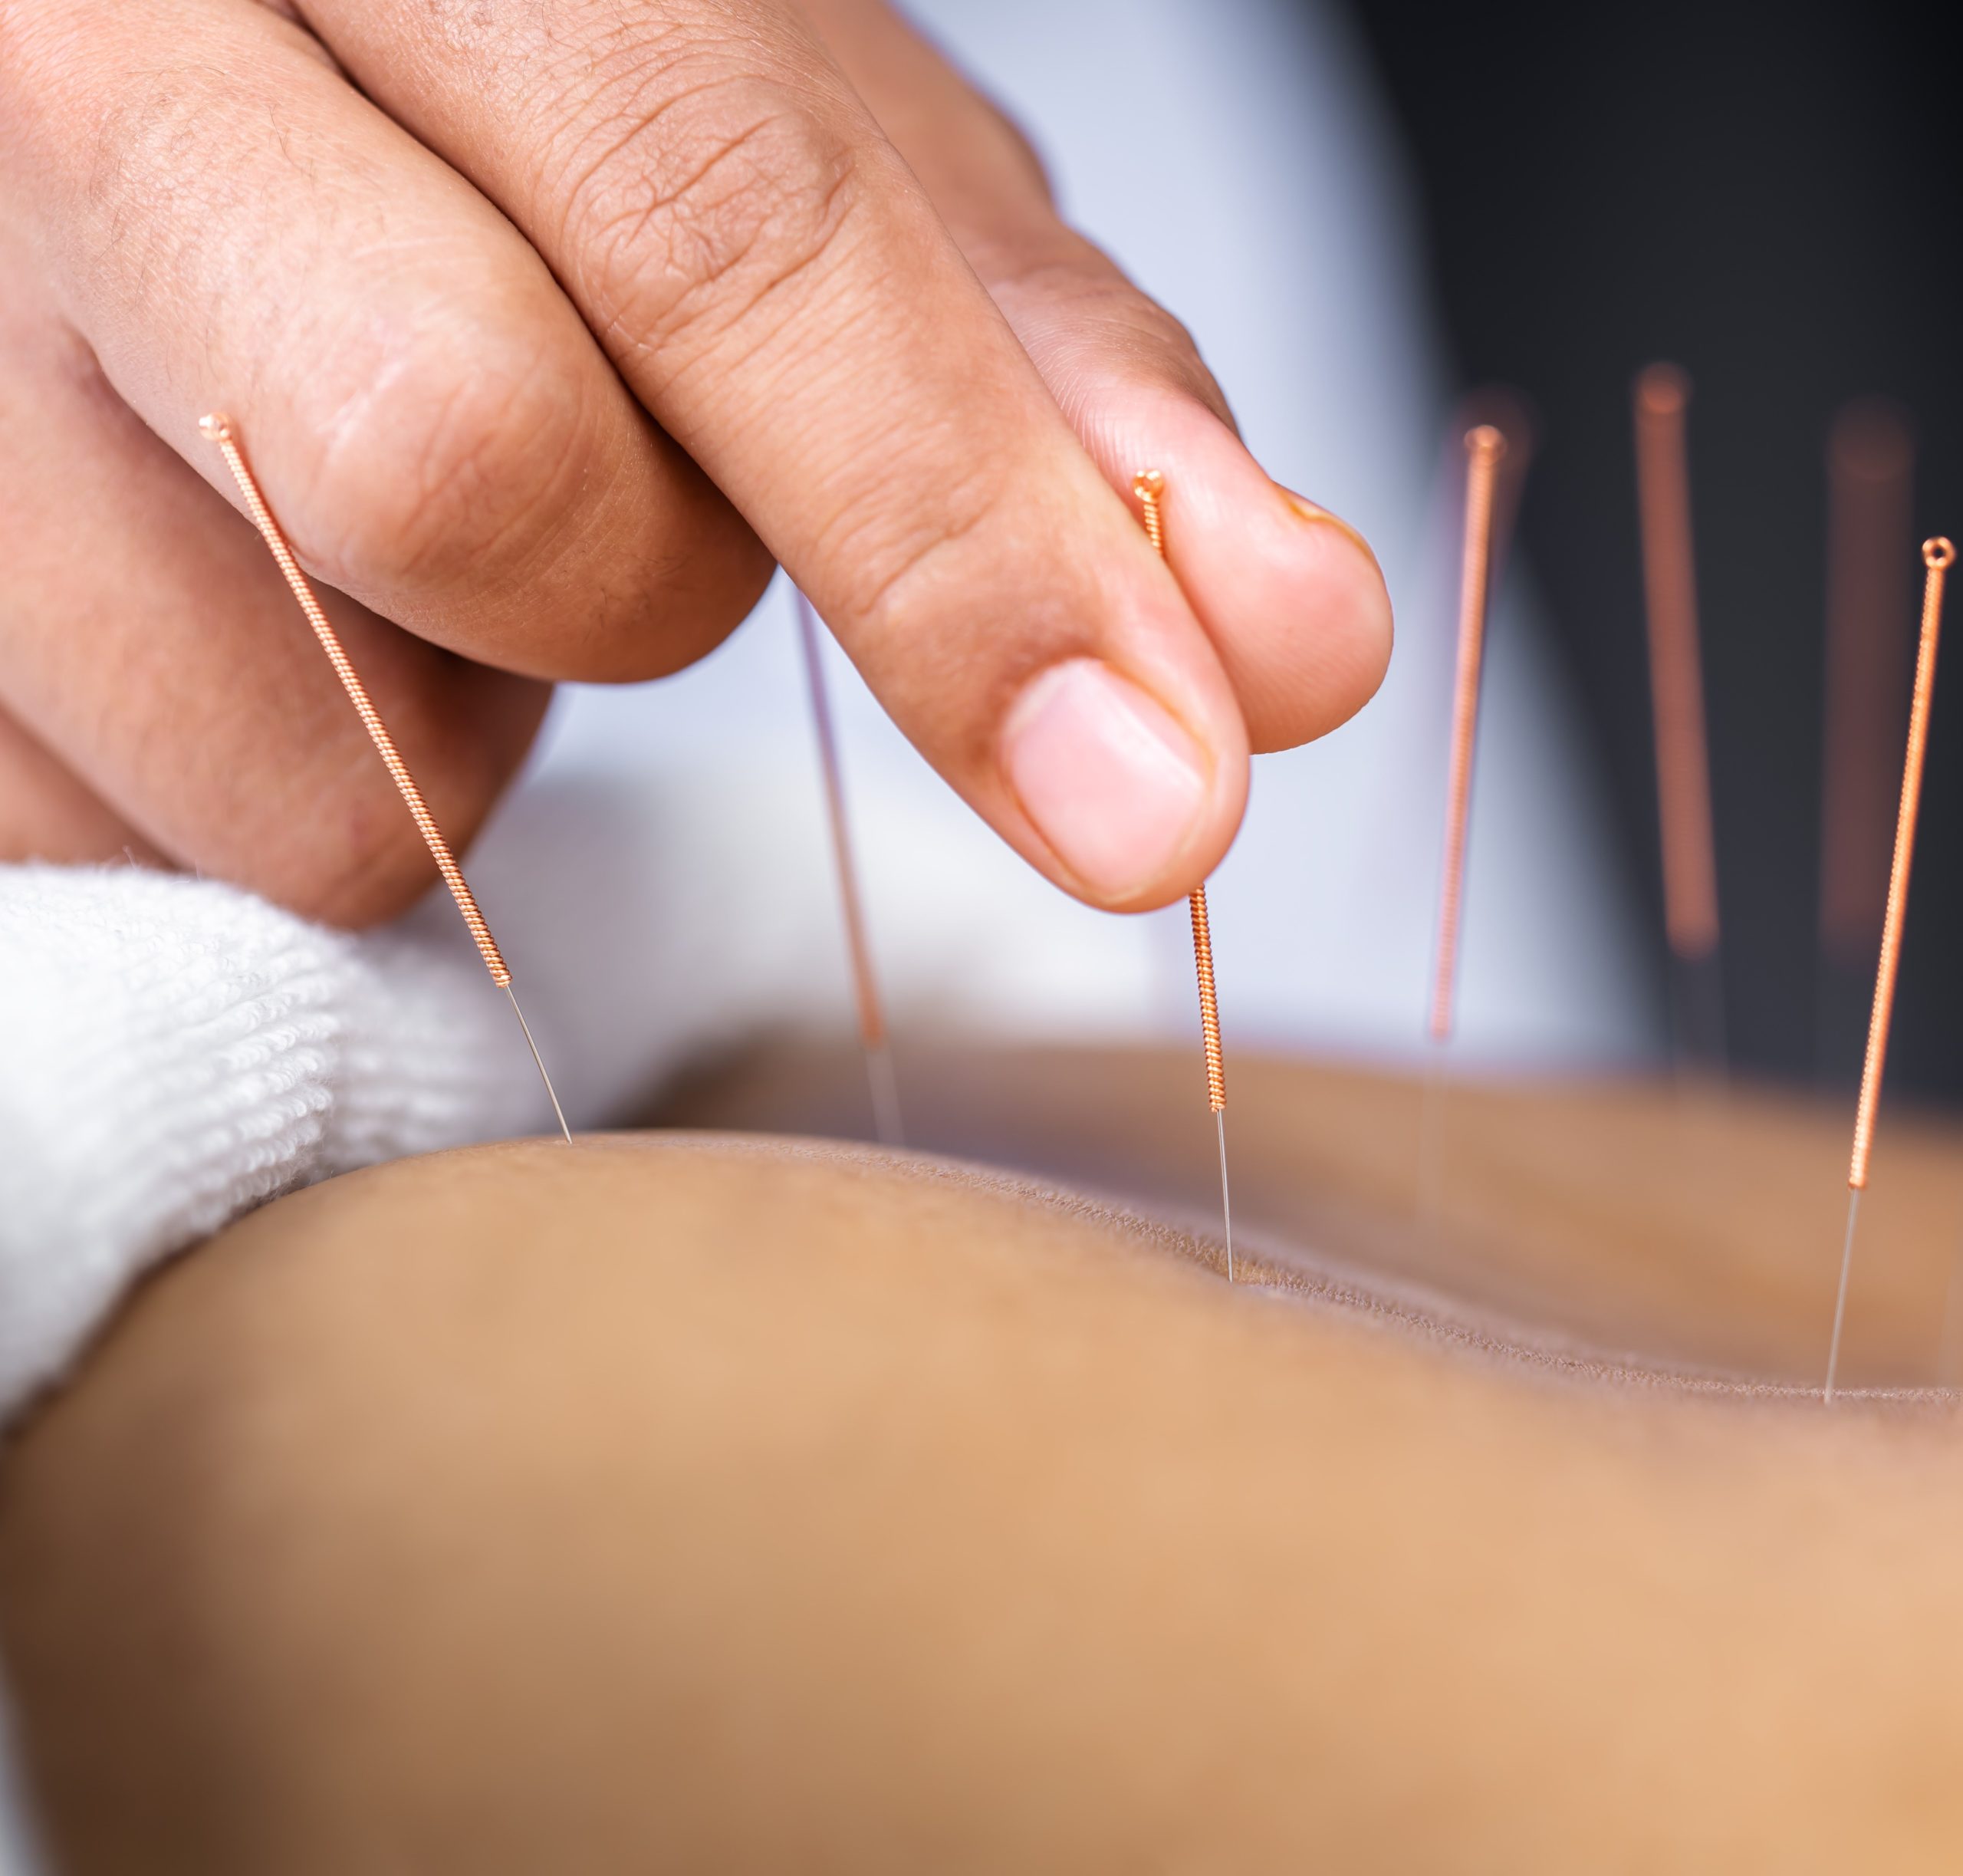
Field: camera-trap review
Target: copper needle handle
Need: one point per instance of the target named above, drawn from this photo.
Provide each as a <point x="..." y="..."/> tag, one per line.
<point x="1484" y="446"/>
<point x="1938" y="556"/>
<point x="219" y="429"/>
<point x="1669" y="580"/>
<point x="1149" y="486"/>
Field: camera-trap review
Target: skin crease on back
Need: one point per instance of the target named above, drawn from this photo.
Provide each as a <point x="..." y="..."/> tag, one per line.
<point x="707" y="1501"/>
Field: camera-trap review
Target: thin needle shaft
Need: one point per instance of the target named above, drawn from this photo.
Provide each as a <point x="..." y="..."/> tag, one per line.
<point x="1149" y="486"/>
<point x="879" y="1076"/>
<point x="1840" y="1298"/>
<point x="550" y="1095"/>
<point x="1938" y="556"/>
<point x="219" y="430"/>
<point x="1226" y="1203"/>
<point x="1485" y="447"/>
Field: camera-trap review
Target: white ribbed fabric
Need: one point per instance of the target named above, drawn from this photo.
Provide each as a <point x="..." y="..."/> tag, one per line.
<point x="175" y="1050"/>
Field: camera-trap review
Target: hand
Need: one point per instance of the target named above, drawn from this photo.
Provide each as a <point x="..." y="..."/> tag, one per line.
<point x="547" y="328"/>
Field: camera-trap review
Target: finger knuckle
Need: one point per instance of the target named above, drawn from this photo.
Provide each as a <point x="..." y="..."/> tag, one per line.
<point x="698" y="197"/>
<point x="452" y="465"/>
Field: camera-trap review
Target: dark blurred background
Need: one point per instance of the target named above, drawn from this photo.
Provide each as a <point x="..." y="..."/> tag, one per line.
<point x="1764" y="195"/>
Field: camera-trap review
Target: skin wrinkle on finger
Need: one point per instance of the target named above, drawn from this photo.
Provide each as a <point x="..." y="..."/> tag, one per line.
<point x="776" y="289"/>
<point x="1299" y="615"/>
<point x="669" y="150"/>
<point x="752" y="382"/>
<point x="596" y="162"/>
<point x="698" y="193"/>
<point x="278" y="245"/>
<point x="639" y="328"/>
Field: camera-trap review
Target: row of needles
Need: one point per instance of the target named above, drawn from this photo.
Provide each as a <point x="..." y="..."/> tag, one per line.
<point x="1661" y="397"/>
<point x="1149" y="487"/>
<point x="1682" y="769"/>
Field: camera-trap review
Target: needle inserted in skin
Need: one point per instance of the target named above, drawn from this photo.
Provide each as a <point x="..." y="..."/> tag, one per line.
<point x="1676" y="683"/>
<point x="1938" y="556"/>
<point x="538" y="1061"/>
<point x="1149" y="486"/>
<point x="865" y="984"/>
<point x="218" y="429"/>
<point x="1485" y="447"/>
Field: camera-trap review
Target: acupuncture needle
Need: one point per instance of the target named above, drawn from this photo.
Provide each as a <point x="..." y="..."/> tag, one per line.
<point x="1662" y="396"/>
<point x="220" y="430"/>
<point x="1508" y="411"/>
<point x="1484" y="449"/>
<point x="1149" y="486"/>
<point x="1938" y="555"/>
<point x="873" y="1035"/>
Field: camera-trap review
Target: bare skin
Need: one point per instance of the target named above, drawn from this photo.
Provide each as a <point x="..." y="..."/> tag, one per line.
<point x="548" y="328"/>
<point x="1694" y="1231"/>
<point x="708" y="1502"/>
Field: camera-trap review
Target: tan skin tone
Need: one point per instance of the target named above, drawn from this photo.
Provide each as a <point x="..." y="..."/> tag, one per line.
<point x="706" y="1503"/>
<point x="732" y="1506"/>
<point x="547" y="328"/>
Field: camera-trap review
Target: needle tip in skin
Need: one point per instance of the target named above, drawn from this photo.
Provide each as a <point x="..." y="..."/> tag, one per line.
<point x="865" y="981"/>
<point x="566" y="1132"/>
<point x="1938" y="556"/>
<point x="1840" y="1301"/>
<point x="1226" y="1203"/>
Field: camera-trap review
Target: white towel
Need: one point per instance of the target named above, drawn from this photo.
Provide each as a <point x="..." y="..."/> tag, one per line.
<point x="176" y="1050"/>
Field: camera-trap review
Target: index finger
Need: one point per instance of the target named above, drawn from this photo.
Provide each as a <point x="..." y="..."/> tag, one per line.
<point x="230" y="225"/>
<point x="769" y="278"/>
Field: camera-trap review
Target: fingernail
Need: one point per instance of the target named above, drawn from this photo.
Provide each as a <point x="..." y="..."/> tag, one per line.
<point x="1108" y="775"/>
<point x="1310" y="511"/>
